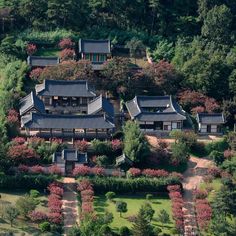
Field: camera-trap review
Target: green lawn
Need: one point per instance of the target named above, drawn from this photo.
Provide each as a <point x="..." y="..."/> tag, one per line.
<point x="48" y="52"/>
<point x="215" y="185"/>
<point x="133" y="204"/>
<point x="20" y="225"/>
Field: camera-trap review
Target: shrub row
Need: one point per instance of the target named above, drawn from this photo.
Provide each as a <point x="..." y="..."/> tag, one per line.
<point x="177" y="205"/>
<point x="23" y="181"/>
<point x="38" y="169"/>
<point x="87" y="196"/>
<point x="142" y="184"/>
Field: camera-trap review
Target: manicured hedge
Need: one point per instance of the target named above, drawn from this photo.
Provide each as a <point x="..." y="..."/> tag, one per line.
<point x="27" y="182"/>
<point x="142" y="184"/>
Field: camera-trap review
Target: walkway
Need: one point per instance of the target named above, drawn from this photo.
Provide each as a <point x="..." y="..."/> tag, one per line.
<point x="70" y="204"/>
<point x="193" y="176"/>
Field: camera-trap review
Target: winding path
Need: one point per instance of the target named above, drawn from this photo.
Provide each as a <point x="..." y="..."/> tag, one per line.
<point x="70" y="204"/>
<point x="193" y="176"/>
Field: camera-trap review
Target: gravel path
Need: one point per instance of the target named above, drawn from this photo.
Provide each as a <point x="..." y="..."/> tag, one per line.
<point x="193" y="176"/>
<point x="70" y="204"/>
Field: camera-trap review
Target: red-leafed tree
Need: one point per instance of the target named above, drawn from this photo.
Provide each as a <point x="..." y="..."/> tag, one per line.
<point x="18" y="140"/>
<point x="67" y="54"/>
<point x="37" y="169"/>
<point x="164" y="75"/>
<point x="13" y="117"/>
<point x="116" y="144"/>
<point x="22" y="154"/>
<point x="37" y="216"/>
<point x="55" y="217"/>
<point x="31" y="49"/>
<point x="66" y="43"/>
<point x="54" y="169"/>
<point x="81" y="170"/>
<point x="99" y="171"/>
<point x="82" y="145"/>
<point x="35" y="73"/>
<point x="134" y="172"/>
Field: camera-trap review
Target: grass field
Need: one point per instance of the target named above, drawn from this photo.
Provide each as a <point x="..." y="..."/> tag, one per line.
<point x="20" y="225"/>
<point x="215" y="186"/>
<point x="133" y="205"/>
<point x="48" y="52"/>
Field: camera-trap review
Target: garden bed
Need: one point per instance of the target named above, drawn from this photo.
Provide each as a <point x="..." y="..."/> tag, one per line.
<point x="133" y="205"/>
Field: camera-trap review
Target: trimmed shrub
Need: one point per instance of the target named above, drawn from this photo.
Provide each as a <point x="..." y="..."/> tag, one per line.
<point x="34" y="193"/>
<point x="124" y="231"/>
<point x="134" y="172"/>
<point x="142" y="184"/>
<point x="219" y="146"/>
<point x="45" y="226"/>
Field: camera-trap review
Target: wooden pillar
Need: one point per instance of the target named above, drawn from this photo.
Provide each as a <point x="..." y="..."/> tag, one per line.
<point x="85" y="132"/>
<point x="51" y="132"/>
<point x="73" y="138"/>
<point x="96" y="131"/>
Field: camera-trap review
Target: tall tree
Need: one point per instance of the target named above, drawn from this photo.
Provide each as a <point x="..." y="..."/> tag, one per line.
<point x="135" y="144"/>
<point x="141" y="227"/>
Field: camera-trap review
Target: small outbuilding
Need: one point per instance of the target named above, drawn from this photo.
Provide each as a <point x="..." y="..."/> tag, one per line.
<point x="38" y="61"/>
<point x="210" y="123"/>
<point x="68" y="159"/>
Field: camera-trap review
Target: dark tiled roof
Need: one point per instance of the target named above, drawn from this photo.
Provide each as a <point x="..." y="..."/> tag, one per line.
<point x="100" y="104"/>
<point x="42" y="61"/>
<point x="65" y="88"/>
<point x="161" y="116"/>
<point x="170" y="111"/>
<point x="210" y="118"/>
<point x="154" y="101"/>
<point x="31" y="101"/>
<point x="94" y="46"/>
<point x="70" y="155"/>
<point x="47" y="121"/>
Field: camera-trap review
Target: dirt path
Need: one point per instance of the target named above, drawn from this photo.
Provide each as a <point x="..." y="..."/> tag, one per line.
<point x="193" y="176"/>
<point x="70" y="204"/>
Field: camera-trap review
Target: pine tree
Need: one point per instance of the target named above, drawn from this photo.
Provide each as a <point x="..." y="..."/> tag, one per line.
<point x="141" y="227"/>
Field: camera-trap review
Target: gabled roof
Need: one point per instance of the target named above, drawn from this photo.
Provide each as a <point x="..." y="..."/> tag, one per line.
<point x="65" y="88"/>
<point x="166" y="109"/>
<point x="211" y="118"/>
<point x="31" y="101"/>
<point x="70" y="155"/>
<point x="94" y="46"/>
<point x="42" y="61"/>
<point x="51" y="121"/>
<point x="100" y="104"/>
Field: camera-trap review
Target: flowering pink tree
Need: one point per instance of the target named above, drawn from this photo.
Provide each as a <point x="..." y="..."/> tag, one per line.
<point x="116" y="144"/>
<point x="35" y="73"/>
<point x="82" y="145"/>
<point x="31" y="49"/>
<point x="134" y="172"/>
<point x="81" y="170"/>
<point x="18" y="140"/>
<point x="177" y="205"/>
<point x="37" y="216"/>
<point x="54" y="169"/>
<point x="66" y="43"/>
<point x="67" y="54"/>
<point x="13" y="117"/>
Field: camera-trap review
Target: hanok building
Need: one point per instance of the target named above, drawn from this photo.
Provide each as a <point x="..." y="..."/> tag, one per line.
<point x="210" y="123"/>
<point x="39" y="61"/>
<point x="156" y="113"/>
<point x="31" y="103"/>
<point x="96" y="51"/>
<point x="61" y="96"/>
<point x="67" y="126"/>
<point x="68" y="159"/>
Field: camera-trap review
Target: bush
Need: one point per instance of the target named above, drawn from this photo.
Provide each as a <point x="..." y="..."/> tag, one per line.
<point x="102" y="160"/>
<point x="66" y="43"/>
<point x="34" y="193"/>
<point x="142" y="184"/>
<point x="110" y="195"/>
<point x="101" y="148"/>
<point x="219" y="146"/>
<point x="218" y="157"/>
<point x="124" y="231"/>
<point x="45" y="227"/>
<point x="25" y="181"/>
<point x="149" y="196"/>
